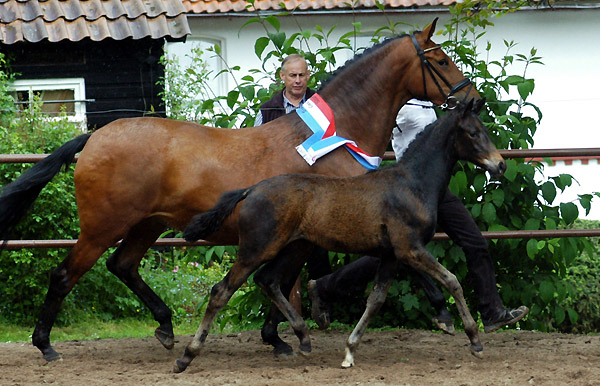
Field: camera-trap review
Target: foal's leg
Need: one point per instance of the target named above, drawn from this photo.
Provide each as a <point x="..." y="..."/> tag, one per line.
<point x="276" y="278"/>
<point x="383" y="280"/>
<point x="219" y="297"/>
<point x="424" y="262"/>
<point x="124" y="264"/>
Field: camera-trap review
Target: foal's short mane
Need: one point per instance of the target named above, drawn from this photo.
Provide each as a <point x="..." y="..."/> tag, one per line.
<point x="366" y="52"/>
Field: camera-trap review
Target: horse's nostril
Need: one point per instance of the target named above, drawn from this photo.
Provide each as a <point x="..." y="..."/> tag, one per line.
<point x="502" y="166"/>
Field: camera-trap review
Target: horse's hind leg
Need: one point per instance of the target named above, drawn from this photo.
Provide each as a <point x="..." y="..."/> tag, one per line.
<point x="81" y="258"/>
<point x="276" y="278"/>
<point x="124" y="264"/>
<point x="383" y="280"/>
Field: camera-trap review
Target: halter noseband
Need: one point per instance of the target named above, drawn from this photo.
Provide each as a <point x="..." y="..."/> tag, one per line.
<point x="425" y="64"/>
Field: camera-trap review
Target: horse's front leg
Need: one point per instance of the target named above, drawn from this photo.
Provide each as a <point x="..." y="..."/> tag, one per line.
<point x="219" y="297"/>
<point x="428" y="264"/>
<point x="383" y="280"/>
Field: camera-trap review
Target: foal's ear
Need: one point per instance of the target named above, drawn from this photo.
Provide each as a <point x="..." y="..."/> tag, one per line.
<point x="468" y="107"/>
<point x="478" y="105"/>
<point x="430" y="29"/>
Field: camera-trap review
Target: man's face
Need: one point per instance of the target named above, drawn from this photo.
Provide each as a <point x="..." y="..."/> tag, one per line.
<point x="295" y="76"/>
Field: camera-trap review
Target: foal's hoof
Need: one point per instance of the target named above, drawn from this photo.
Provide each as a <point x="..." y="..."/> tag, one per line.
<point x="305" y="349"/>
<point x="179" y="367"/>
<point x="165" y="338"/>
<point x="477" y="351"/>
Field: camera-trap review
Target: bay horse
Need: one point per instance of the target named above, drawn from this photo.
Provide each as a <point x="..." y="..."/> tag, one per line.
<point x="135" y="177"/>
<point x="390" y="213"/>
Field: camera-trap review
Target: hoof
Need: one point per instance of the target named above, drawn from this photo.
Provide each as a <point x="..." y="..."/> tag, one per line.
<point x="179" y="367"/>
<point x="284" y="355"/>
<point x="347" y="364"/>
<point x="284" y="351"/>
<point x="165" y="338"/>
<point x="445" y="325"/>
<point x="477" y="351"/>
<point x="52" y="356"/>
<point x="305" y="348"/>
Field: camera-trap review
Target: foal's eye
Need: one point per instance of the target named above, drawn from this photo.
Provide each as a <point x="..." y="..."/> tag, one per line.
<point x="443" y="62"/>
<point x="473" y="134"/>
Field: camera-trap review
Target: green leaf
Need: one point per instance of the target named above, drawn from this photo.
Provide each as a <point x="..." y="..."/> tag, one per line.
<point x="532" y="248"/>
<point x="569" y="212"/>
<point x="525" y="88"/>
<point x="247" y="92"/>
<point x="511" y="170"/>
<point x="274" y="21"/>
<point x="532" y="224"/>
<point x="260" y="45"/>
<point x="479" y="182"/>
<point x="277" y="38"/>
<point x="489" y="212"/>
<point x="498" y="197"/>
<point x="548" y="192"/>
<point x="559" y="314"/>
<point x="546" y="291"/>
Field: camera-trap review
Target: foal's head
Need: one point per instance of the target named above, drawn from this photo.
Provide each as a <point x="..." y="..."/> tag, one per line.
<point x="473" y="142"/>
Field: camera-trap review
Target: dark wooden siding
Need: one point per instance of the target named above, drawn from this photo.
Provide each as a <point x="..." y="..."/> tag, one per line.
<point x="120" y="75"/>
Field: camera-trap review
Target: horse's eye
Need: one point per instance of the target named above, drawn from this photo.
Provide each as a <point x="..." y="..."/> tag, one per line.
<point x="473" y="134"/>
<point x="443" y="62"/>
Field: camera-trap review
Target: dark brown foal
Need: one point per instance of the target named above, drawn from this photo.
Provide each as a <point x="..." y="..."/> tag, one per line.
<point x="389" y="213"/>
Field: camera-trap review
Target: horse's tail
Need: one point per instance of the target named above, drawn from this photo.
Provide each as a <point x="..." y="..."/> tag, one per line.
<point x="18" y="196"/>
<point x="207" y="223"/>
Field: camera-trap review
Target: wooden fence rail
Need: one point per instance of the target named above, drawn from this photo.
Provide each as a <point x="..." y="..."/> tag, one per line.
<point x="520" y="234"/>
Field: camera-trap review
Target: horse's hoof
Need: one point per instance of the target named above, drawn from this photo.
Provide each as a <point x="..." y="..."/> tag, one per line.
<point x="165" y="338"/>
<point x="305" y="349"/>
<point x="477" y="351"/>
<point x="284" y="351"/>
<point x="179" y="367"/>
<point x="52" y="356"/>
<point x="347" y="364"/>
<point x="447" y="326"/>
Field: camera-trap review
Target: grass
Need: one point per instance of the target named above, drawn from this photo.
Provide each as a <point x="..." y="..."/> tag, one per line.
<point x="93" y="329"/>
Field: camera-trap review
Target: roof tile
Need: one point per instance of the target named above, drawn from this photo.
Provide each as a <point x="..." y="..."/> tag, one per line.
<point x="56" y="20"/>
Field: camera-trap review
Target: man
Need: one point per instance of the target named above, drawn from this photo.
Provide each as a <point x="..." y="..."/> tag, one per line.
<point x="453" y="217"/>
<point x="295" y="75"/>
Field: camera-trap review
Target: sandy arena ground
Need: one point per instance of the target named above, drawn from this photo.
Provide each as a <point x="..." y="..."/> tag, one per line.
<point x="401" y="357"/>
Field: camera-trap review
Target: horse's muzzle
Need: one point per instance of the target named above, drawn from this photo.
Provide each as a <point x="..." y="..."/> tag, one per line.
<point x="496" y="168"/>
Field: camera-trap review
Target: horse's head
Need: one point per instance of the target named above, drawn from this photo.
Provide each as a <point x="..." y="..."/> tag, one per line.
<point x="472" y="140"/>
<point x="434" y="76"/>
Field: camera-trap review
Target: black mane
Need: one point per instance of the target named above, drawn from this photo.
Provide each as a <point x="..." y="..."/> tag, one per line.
<point x="358" y="57"/>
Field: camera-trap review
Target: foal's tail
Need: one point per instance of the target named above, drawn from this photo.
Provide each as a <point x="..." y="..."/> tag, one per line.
<point x="18" y="196"/>
<point x="207" y="223"/>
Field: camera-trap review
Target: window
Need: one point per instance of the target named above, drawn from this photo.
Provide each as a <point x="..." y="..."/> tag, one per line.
<point x="56" y="95"/>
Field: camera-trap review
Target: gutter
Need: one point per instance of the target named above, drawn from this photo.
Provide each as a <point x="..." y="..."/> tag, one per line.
<point x="325" y="12"/>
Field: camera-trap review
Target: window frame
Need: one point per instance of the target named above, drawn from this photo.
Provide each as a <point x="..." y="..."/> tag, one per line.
<point x="75" y="84"/>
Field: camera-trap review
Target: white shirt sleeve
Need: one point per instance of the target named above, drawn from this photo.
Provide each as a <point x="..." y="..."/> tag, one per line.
<point x="259" y="118"/>
<point x="411" y="120"/>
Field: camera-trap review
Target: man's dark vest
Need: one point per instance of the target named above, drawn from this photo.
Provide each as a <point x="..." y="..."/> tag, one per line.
<point x="273" y="108"/>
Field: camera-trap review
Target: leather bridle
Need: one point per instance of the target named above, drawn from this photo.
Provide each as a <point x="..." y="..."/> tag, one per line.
<point x="451" y="100"/>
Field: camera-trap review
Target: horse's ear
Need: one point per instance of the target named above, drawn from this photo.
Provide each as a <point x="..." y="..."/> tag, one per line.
<point x="478" y="105"/>
<point x="468" y="107"/>
<point x="430" y="29"/>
